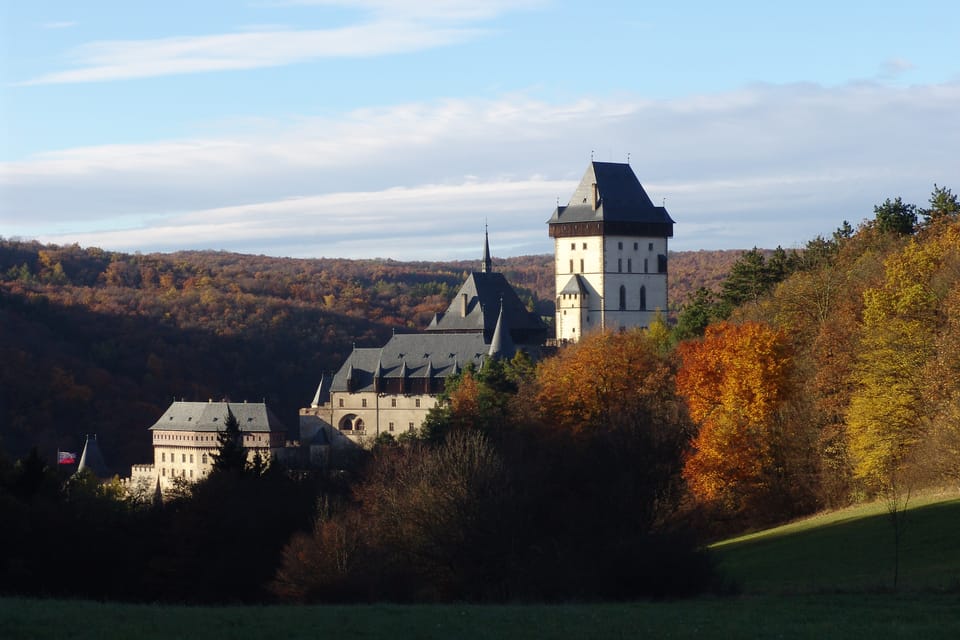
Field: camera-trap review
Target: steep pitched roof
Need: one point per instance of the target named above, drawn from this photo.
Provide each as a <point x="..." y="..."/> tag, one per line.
<point x="411" y="356"/>
<point x="209" y="416"/>
<point x="92" y="459"/>
<point x="476" y="307"/>
<point x="619" y="197"/>
<point x="501" y="346"/>
<point x="575" y="285"/>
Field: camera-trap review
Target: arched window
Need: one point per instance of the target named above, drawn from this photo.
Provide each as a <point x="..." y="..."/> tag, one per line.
<point x="623" y="298"/>
<point x="358" y="425"/>
<point x="346" y="422"/>
<point x="643" y="298"/>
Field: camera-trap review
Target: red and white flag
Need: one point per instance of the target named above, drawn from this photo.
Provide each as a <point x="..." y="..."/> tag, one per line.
<point x="66" y="457"/>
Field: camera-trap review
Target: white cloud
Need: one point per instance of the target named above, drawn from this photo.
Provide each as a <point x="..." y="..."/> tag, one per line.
<point x="62" y="24"/>
<point x="386" y="27"/>
<point x="765" y="165"/>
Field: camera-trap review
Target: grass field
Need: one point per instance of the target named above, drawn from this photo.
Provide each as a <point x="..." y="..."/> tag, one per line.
<point x="851" y="550"/>
<point x="823" y="577"/>
<point x="837" y="616"/>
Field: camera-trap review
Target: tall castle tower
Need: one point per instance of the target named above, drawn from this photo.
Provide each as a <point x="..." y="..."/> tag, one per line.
<point x="610" y="254"/>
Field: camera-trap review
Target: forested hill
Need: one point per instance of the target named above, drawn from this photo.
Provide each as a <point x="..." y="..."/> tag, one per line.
<point x="101" y="342"/>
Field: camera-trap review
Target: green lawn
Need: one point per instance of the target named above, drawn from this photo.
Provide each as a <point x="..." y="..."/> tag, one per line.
<point x="850" y="550"/>
<point x="837" y="616"/>
<point x="823" y="577"/>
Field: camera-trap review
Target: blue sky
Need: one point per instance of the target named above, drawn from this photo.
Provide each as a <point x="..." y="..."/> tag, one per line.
<point x="378" y="128"/>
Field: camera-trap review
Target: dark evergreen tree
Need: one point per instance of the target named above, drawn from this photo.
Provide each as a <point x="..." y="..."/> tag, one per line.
<point x="943" y="204"/>
<point x="230" y="456"/>
<point x="896" y="216"/>
<point x="695" y="315"/>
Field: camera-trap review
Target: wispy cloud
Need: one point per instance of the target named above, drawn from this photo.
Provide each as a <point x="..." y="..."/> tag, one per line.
<point x="383" y="28"/>
<point x="62" y="24"/>
<point x="760" y="166"/>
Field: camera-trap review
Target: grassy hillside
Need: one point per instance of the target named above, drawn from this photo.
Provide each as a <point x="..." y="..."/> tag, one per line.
<point x="823" y="577"/>
<point x="850" y="550"/>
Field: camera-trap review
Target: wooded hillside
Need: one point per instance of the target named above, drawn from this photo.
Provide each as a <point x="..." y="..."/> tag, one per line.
<point x="100" y="342"/>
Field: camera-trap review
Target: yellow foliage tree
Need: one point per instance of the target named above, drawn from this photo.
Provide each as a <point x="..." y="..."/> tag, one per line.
<point x="887" y="417"/>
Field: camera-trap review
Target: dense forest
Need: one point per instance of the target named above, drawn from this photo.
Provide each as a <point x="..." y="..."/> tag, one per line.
<point x="801" y="380"/>
<point x="101" y="342"/>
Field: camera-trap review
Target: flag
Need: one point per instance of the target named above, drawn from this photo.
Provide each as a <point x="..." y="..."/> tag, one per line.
<point x="66" y="457"/>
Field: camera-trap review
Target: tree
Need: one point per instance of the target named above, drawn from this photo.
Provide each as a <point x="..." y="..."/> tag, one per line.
<point x="896" y="216"/>
<point x="231" y="456"/>
<point x="695" y="315"/>
<point x="737" y="382"/>
<point x="943" y="204"/>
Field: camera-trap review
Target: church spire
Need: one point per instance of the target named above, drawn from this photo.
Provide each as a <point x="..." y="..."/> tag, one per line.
<point x="487" y="263"/>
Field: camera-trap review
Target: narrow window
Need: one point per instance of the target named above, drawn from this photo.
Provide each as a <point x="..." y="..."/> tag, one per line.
<point x="636" y="245"/>
<point x="363" y="402"/>
<point x="584" y="245"/>
<point x="620" y="246"/>
<point x="623" y="298"/>
<point x="204" y="458"/>
<point x="163" y="457"/>
<point x="417" y="401"/>
<point x="581" y="265"/>
<point x="619" y="265"/>
<point x="393" y="402"/>
<point x="571" y="265"/>
<point x="629" y="265"/>
<point x="163" y="471"/>
<point x="391" y="426"/>
<point x="650" y="246"/>
<point x="183" y="457"/>
<point x="341" y="402"/>
<point x="410" y="426"/>
<point x="643" y="298"/>
<point x="573" y="246"/>
<point x="191" y="458"/>
<point x="646" y="265"/>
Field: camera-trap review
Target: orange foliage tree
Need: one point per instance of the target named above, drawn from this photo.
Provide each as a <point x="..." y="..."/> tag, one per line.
<point x="737" y="382"/>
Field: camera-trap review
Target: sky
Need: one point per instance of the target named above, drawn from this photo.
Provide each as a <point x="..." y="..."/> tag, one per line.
<point x="400" y="128"/>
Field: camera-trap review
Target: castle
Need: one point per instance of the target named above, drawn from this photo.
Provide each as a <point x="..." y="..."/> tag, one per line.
<point x="610" y="267"/>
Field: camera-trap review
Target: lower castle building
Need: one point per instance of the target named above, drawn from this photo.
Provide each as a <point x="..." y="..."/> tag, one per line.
<point x="185" y="437"/>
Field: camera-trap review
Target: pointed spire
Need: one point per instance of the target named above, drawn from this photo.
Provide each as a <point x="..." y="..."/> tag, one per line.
<point x="317" y="396"/>
<point x="501" y="345"/>
<point x="487" y="263"/>
<point x="92" y="458"/>
<point x="456" y="366"/>
<point x="157" y="494"/>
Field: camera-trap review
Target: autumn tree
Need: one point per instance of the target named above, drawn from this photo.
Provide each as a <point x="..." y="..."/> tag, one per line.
<point x="737" y="382"/>
<point x="888" y="417"/>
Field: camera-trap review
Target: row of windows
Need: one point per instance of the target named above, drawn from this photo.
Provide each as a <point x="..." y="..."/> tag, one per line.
<point x="200" y="438"/>
<point x="393" y="402"/>
<point x="183" y="457"/>
<point x="636" y="246"/>
<point x="353" y="423"/>
<point x="623" y="298"/>
<point x="173" y="472"/>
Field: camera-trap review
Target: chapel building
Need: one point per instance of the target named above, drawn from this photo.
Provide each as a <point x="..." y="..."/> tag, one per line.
<point x="390" y="389"/>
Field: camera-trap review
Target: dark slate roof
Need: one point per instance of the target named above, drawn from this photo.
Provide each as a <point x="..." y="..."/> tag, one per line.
<point x="622" y="198"/>
<point x="501" y="345"/>
<point x="575" y="285"/>
<point x="484" y="292"/>
<point x="209" y="416"/>
<point x="92" y="459"/>
<point x="411" y="355"/>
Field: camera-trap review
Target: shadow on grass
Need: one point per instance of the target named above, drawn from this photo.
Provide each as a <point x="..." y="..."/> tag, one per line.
<point x="851" y="554"/>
